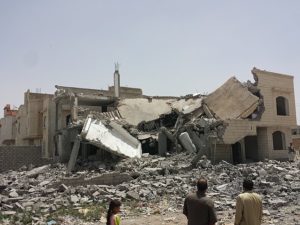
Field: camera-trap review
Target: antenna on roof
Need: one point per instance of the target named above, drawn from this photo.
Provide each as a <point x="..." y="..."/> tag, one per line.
<point x="117" y="66"/>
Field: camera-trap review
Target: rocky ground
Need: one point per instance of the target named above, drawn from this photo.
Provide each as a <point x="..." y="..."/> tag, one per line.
<point x="154" y="194"/>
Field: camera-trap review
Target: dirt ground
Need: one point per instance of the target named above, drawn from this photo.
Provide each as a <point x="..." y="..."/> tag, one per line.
<point x="285" y="216"/>
<point x="226" y="218"/>
<point x="156" y="220"/>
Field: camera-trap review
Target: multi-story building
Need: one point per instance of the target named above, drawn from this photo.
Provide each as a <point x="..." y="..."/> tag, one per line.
<point x="35" y="122"/>
<point x="7" y="126"/>
<point x="269" y="136"/>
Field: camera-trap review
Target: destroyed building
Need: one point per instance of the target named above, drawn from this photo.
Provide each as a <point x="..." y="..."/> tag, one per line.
<point x="238" y="122"/>
<point x="73" y="106"/>
<point x="268" y="135"/>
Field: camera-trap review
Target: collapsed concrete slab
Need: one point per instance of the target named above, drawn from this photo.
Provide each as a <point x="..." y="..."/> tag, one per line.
<point x="232" y="101"/>
<point x="110" y="136"/>
<point x="137" y="110"/>
<point x="134" y="111"/>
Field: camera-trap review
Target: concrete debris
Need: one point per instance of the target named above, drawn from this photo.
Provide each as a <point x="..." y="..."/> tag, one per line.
<point x="36" y="171"/>
<point x="187" y="142"/>
<point x="150" y="180"/>
<point x="111" y="137"/>
<point x="158" y="125"/>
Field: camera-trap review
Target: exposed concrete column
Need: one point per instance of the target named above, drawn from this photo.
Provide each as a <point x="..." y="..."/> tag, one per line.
<point x="213" y="147"/>
<point x="75" y="109"/>
<point x="84" y="151"/>
<point x="58" y="113"/>
<point x="60" y="147"/>
<point x="162" y="143"/>
<point x="74" y="155"/>
<point x="242" y="142"/>
<point x="187" y="143"/>
<point x="56" y="116"/>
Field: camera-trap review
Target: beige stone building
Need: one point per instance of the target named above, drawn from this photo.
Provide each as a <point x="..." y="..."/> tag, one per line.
<point x="7" y="126"/>
<point x="251" y="139"/>
<point x="35" y="122"/>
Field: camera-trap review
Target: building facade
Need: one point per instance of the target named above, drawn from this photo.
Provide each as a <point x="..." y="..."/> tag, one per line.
<point x="35" y="122"/>
<point x="7" y="126"/>
<point x="268" y="137"/>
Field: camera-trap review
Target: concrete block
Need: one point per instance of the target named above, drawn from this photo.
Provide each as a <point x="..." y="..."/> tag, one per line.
<point x="186" y="142"/>
<point x="111" y="137"/>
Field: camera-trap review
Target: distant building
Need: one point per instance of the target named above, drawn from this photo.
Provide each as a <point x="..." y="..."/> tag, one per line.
<point x="35" y="122"/>
<point x="7" y="126"/>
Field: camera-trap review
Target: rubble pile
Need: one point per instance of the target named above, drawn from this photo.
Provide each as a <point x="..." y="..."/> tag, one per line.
<point x="156" y="183"/>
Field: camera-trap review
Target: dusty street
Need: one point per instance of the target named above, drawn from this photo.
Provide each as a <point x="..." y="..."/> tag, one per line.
<point x="287" y="216"/>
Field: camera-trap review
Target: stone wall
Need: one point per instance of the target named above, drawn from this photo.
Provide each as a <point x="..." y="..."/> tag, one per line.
<point x="14" y="157"/>
<point x="105" y="179"/>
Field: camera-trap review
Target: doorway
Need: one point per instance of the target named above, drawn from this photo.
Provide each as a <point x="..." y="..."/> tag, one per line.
<point x="237" y="156"/>
<point x="251" y="149"/>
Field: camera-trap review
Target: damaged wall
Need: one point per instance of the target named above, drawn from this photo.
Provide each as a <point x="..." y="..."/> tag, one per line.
<point x="238" y="129"/>
<point x="232" y="101"/>
<point x="143" y="109"/>
<point x="273" y="85"/>
<point x="270" y="86"/>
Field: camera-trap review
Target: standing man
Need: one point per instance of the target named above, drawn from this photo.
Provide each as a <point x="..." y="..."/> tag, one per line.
<point x="198" y="208"/>
<point x="292" y="153"/>
<point x="248" y="206"/>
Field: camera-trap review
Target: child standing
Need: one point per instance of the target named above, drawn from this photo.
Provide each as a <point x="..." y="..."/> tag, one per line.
<point x="112" y="214"/>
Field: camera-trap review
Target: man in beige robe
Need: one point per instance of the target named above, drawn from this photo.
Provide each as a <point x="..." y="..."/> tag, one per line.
<point x="248" y="206"/>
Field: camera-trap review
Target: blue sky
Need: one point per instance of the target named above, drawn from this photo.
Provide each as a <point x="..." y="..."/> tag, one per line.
<point x="165" y="47"/>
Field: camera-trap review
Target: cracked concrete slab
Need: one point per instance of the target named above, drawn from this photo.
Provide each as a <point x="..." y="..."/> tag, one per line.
<point x="232" y="101"/>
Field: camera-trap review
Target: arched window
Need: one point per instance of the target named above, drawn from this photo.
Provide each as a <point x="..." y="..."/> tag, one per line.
<point x="278" y="140"/>
<point x="282" y="106"/>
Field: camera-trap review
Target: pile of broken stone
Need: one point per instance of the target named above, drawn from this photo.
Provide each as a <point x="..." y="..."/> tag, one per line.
<point x="156" y="183"/>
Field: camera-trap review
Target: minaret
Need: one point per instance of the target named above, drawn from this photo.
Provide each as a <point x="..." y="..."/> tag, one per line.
<point x="117" y="81"/>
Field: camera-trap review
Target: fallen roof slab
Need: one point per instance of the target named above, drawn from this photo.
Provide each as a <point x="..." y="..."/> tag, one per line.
<point x="148" y="109"/>
<point x="137" y="110"/>
<point x="232" y="101"/>
<point x="111" y="137"/>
